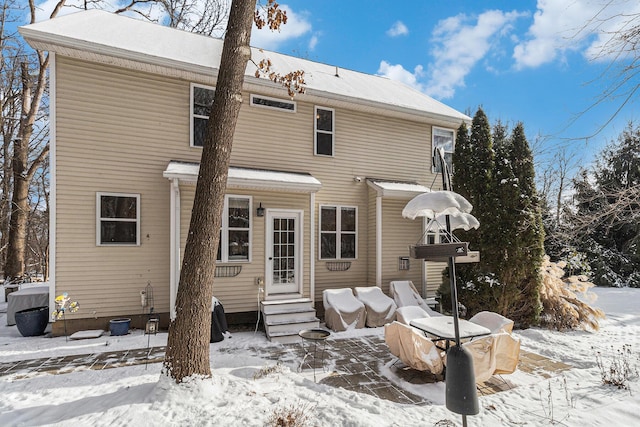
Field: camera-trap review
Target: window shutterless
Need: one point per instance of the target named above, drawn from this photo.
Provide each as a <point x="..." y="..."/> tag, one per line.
<point x="117" y="219"/>
<point x="201" y="102"/>
<point x="338" y="232"/>
<point x="324" y="134"/>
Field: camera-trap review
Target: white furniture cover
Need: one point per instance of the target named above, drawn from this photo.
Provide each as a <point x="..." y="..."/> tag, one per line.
<point x="380" y="308"/>
<point x="32" y="297"/>
<point x="413" y="348"/>
<point x="408" y="313"/>
<point x="342" y="310"/>
<point x="493" y="321"/>
<point x="494" y="354"/>
<point x="405" y="294"/>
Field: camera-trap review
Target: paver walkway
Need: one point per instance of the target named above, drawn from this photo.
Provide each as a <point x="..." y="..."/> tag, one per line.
<point x="361" y="364"/>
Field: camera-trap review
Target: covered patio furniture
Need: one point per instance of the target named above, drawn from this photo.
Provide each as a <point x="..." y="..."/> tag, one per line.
<point x="484" y="360"/>
<point x="407" y="313"/>
<point x="380" y="308"/>
<point x="404" y="293"/>
<point x="342" y="310"/>
<point x="493" y="321"/>
<point x="507" y="352"/>
<point x="412" y="348"/>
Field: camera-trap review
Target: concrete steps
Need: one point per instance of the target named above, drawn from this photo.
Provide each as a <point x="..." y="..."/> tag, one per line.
<point x="283" y="319"/>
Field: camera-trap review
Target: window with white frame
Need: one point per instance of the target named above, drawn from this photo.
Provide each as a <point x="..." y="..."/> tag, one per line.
<point x="338" y="232"/>
<point x="273" y="103"/>
<point x="201" y="102"/>
<point x="117" y="219"/>
<point x="324" y="133"/>
<point x="235" y="234"/>
<point x="442" y="138"/>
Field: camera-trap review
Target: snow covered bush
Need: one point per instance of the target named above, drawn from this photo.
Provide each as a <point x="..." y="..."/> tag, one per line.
<point x="291" y="416"/>
<point x="562" y="308"/>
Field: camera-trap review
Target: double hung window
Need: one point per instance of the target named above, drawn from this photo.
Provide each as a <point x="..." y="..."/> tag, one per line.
<point x="118" y="219"/>
<point x="324" y="134"/>
<point x="338" y="232"/>
<point x="201" y="102"/>
<point x="235" y="234"/>
<point x="442" y="138"/>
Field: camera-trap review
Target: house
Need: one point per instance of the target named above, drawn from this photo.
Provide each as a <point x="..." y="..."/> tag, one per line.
<point x="315" y="191"/>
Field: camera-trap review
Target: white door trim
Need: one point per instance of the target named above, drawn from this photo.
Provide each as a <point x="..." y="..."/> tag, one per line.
<point x="293" y="291"/>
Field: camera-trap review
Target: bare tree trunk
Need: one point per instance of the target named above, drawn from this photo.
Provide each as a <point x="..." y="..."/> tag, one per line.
<point x="188" y="342"/>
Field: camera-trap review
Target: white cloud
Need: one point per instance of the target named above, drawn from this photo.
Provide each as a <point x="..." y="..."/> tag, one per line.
<point x="398" y="29"/>
<point x="296" y="26"/>
<point x="460" y="45"/>
<point x="397" y="72"/>
<point x="313" y="42"/>
<point x="586" y="26"/>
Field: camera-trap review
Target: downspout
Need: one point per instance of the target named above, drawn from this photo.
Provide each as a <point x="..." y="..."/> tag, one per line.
<point x="423" y="264"/>
<point x="53" y="193"/>
<point x="174" y="243"/>
<point x="379" y="241"/>
<point x="312" y="251"/>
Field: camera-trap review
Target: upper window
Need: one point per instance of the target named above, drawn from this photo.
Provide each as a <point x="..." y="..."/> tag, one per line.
<point x="338" y="232"/>
<point x="235" y="235"/>
<point x="274" y="103"/>
<point x="443" y="138"/>
<point x="201" y="102"/>
<point x="118" y="219"/>
<point x="324" y="131"/>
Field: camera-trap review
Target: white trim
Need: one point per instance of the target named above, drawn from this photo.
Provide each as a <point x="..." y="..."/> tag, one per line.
<point x="174" y="250"/>
<point x="252" y="179"/>
<point x="379" y="241"/>
<point x="316" y="130"/>
<point x="53" y="182"/>
<point x="312" y="246"/>
<point x="338" y="231"/>
<point x="396" y="189"/>
<point x="99" y="218"/>
<point x="271" y="107"/>
<point x="191" y="114"/>
<point x="298" y="215"/>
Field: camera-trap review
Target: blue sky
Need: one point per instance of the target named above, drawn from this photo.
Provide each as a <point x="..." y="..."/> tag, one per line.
<point x="538" y="62"/>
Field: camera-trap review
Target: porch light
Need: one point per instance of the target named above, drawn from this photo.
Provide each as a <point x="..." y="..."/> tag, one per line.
<point x="260" y="210"/>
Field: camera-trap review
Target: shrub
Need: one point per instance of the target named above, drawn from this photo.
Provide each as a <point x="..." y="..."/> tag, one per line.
<point x="291" y="416"/>
<point x="621" y="368"/>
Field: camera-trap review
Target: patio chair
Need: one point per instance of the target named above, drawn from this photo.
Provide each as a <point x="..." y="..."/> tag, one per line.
<point x="507" y="353"/>
<point x="412" y="348"/>
<point x="493" y="321"/>
<point x="405" y="294"/>
<point x="380" y="308"/>
<point x="407" y="313"/>
<point x="342" y="310"/>
<point x="484" y="360"/>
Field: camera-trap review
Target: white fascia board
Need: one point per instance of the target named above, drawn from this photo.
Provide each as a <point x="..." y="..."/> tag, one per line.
<point x="396" y="189"/>
<point x="258" y="179"/>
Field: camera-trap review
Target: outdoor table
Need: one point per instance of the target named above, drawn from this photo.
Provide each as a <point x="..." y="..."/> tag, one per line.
<point x="441" y="329"/>
<point x="32" y="297"/>
<point x="313" y="337"/>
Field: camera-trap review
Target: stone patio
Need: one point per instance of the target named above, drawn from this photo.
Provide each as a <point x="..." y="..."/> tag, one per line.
<point x="357" y="364"/>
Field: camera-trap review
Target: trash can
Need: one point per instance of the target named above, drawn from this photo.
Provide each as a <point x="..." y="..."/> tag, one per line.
<point x="218" y="321"/>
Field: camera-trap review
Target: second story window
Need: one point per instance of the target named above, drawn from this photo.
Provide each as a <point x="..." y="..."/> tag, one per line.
<point x="201" y="102"/>
<point x="324" y="134"/>
<point x="442" y="138"/>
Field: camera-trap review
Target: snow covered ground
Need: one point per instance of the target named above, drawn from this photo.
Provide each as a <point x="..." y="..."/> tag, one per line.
<point x="139" y="396"/>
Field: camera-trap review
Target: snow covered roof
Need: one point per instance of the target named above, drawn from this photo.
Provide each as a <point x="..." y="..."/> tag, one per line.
<point x="259" y="179"/>
<point x="114" y="39"/>
<point x="396" y="189"/>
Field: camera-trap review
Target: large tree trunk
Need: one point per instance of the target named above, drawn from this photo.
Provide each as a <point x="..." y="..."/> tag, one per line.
<point x="188" y="342"/>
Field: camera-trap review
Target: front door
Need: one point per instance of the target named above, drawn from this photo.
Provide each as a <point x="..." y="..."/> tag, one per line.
<point x="283" y="273"/>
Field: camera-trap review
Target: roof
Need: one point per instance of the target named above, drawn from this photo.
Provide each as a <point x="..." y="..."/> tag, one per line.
<point x="397" y="189"/>
<point x="102" y="36"/>
<point x="259" y="179"/>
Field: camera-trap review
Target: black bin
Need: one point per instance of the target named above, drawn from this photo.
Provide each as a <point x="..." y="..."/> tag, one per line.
<point x="218" y="321"/>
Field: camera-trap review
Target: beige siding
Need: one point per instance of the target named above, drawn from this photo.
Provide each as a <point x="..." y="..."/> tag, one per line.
<point x="116" y="131"/>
